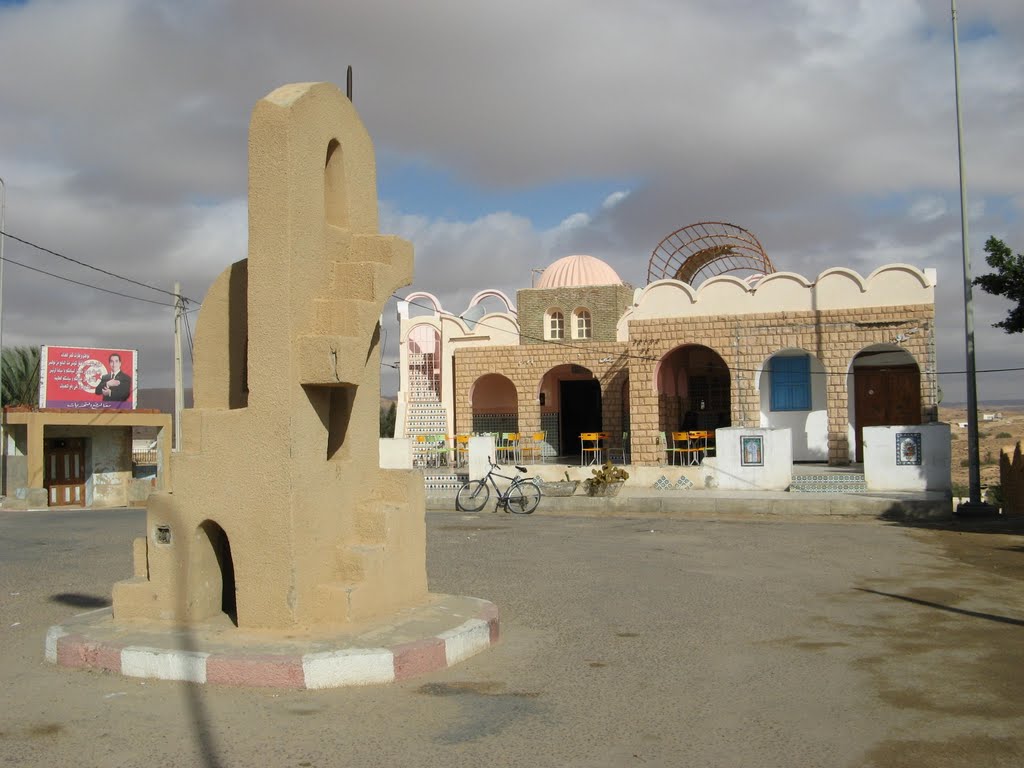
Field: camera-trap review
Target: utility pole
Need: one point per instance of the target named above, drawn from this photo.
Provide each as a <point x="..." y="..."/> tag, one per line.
<point x="179" y="392"/>
<point x="974" y="507"/>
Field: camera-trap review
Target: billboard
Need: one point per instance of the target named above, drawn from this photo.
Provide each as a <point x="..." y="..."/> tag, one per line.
<point x="88" y="378"/>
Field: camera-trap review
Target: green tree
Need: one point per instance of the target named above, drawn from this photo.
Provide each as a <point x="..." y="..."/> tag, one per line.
<point x="1007" y="280"/>
<point x="20" y="384"/>
<point x="387" y="420"/>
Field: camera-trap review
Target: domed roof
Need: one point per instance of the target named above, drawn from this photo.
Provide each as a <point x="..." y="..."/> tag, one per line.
<point x="572" y="271"/>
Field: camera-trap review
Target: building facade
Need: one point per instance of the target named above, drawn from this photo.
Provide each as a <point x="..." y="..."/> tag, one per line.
<point x="583" y="351"/>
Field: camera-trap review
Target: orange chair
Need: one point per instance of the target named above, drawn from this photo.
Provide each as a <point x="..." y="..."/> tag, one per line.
<point x="533" y="449"/>
<point x="461" y="450"/>
<point x="684" y="447"/>
<point x="590" y="448"/>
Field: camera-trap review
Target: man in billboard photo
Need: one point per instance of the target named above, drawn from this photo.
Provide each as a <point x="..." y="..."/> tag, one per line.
<point x="117" y="385"/>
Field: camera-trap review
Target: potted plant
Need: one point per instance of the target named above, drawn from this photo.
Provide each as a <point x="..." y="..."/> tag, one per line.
<point x="607" y="481"/>
<point x="565" y="487"/>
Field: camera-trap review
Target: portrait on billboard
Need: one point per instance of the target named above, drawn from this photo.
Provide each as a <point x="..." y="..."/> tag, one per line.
<point x="87" y="378"/>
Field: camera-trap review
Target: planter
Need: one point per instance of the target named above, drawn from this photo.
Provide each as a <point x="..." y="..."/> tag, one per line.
<point x="605" y="489"/>
<point x="559" y="487"/>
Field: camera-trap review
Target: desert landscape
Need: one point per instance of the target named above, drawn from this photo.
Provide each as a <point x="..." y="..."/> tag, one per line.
<point x="1005" y="428"/>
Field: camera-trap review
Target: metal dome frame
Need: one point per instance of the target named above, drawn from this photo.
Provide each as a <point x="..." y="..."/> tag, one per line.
<point x="707" y="249"/>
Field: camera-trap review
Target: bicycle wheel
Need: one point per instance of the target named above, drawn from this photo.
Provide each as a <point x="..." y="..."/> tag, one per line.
<point x="472" y="496"/>
<point x="524" y="498"/>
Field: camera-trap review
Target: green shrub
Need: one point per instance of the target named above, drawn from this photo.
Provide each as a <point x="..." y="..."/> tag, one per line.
<point x="1004" y="436"/>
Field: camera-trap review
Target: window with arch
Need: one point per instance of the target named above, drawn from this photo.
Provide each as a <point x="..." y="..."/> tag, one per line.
<point x="582" y="324"/>
<point x="556" y="325"/>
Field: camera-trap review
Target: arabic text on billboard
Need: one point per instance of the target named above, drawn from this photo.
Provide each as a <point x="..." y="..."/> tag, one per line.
<point x="87" y="378"/>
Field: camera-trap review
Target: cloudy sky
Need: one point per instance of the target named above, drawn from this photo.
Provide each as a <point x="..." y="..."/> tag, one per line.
<point x="509" y="135"/>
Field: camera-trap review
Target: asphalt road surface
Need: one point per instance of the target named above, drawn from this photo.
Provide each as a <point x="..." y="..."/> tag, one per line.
<point x="624" y="643"/>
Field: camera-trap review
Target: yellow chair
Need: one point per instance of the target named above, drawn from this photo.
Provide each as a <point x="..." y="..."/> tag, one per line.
<point x="683" y="448"/>
<point x="590" y="448"/>
<point x="705" y="443"/>
<point x="533" y="449"/>
<point x="508" y="448"/>
<point x="461" y="450"/>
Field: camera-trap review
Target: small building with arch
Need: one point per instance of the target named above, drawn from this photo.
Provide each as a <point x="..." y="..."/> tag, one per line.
<point x="717" y="338"/>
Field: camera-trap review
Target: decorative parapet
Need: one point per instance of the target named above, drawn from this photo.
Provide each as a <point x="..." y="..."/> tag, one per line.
<point x="836" y="288"/>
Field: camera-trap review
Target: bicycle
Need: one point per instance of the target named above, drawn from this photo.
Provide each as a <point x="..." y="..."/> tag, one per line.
<point x="521" y="497"/>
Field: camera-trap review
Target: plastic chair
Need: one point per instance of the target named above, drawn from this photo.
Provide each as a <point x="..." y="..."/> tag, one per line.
<point x="508" y="448"/>
<point x="590" y="448"/>
<point x="705" y="443"/>
<point x="461" y="450"/>
<point x="438" y="449"/>
<point x="683" y="448"/>
<point x="533" y="449"/>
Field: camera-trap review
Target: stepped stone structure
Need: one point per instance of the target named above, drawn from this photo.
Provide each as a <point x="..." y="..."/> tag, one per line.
<point x="280" y="516"/>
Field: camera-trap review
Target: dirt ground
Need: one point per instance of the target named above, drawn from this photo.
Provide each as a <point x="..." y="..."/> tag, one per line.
<point x="1005" y="430"/>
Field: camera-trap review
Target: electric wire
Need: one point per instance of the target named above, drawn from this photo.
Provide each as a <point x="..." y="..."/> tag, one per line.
<point x="9" y="260"/>
<point x="647" y="358"/>
<point x="90" y="266"/>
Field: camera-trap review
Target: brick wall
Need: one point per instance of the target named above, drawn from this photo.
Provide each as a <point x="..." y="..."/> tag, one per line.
<point x="745" y="342"/>
<point x="605" y="302"/>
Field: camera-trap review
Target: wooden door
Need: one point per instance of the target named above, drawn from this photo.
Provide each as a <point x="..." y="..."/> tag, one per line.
<point x="65" y="472"/>
<point x="883" y="397"/>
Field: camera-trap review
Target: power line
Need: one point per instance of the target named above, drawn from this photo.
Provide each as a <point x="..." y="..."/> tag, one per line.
<point x="90" y="266"/>
<point x="630" y="356"/>
<point x="9" y="260"/>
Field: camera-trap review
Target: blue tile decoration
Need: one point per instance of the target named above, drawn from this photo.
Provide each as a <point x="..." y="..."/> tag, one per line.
<point x="683" y="484"/>
<point x="908" y="449"/>
<point x="752" y="451"/>
<point x="662" y="484"/>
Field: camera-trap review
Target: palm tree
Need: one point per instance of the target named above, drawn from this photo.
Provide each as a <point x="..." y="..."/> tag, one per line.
<point x="20" y="384"/>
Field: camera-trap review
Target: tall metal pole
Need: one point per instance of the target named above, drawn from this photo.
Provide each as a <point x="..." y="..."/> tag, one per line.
<point x="974" y="505"/>
<point x="179" y="391"/>
<point x="3" y="237"/>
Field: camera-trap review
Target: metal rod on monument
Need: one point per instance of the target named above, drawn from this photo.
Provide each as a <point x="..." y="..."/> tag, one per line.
<point x="179" y="392"/>
<point x="975" y="503"/>
<point x="348" y="83"/>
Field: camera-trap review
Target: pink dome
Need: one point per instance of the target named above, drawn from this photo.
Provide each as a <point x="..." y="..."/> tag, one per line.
<point x="572" y="271"/>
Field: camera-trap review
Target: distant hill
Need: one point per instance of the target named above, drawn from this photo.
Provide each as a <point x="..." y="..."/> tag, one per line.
<point x="162" y="399"/>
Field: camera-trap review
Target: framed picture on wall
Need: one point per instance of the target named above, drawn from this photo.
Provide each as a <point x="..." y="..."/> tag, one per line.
<point x="751" y="451"/>
<point x="908" y="449"/>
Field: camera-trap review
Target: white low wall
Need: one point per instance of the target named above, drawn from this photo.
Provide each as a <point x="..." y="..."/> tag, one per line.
<point x="395" y="453"/>
<point x="744" y="462"/>
<point x="481" y="453"/>
<point x="907" y="458"/>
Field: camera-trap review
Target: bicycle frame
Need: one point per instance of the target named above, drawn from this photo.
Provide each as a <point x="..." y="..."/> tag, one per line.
<point x="515" y="480"/>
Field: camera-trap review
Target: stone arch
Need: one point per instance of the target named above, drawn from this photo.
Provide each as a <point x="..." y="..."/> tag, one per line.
<point x="807" y="421"/>
<point x="211" y="574"/>
<point x="423" y="352"/>
<point x="571" y="403"/>
<point x="494" y="400"/>
<point x="883" y="388"/>
<point x="491" y="293"/>
<point x="693" y="384"/>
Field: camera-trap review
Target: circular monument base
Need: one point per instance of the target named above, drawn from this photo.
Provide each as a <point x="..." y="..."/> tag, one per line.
<point x="414" y="641"/>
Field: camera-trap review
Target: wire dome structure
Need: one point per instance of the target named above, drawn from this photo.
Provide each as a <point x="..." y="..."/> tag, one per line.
<point x="700" y="251"/>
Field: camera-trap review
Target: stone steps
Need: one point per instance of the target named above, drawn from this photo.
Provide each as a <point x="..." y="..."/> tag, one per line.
<point x="830" y="482"/>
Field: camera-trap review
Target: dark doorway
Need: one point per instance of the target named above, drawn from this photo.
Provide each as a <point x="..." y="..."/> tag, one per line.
<point x="884" y="397"/>
<point x="581" y="412"/>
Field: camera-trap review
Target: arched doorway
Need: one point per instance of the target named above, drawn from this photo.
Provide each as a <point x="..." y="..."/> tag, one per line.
<point x="885" y="382"/>
<point x="793" y="396"/>
<point x="212" y="574"/>
<point x="424" y="355"/>
<point x="692" y="382"/>
<point x="570" y="399"/>
<point x="495" y="404"/>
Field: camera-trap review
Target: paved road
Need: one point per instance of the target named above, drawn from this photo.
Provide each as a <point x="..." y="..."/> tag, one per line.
<point x="625" y="643"/>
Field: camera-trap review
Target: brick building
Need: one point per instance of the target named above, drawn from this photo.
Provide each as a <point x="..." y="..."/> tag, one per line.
<point x="583" y="351"/>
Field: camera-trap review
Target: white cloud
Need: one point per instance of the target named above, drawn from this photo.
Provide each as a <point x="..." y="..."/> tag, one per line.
<point x="125" y="144"/>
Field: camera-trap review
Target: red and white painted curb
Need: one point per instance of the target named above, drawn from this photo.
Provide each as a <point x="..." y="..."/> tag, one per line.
<point x="69" y="647"/>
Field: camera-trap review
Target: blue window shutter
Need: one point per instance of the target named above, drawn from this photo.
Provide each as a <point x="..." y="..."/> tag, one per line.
<point x="791" y="383"/>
